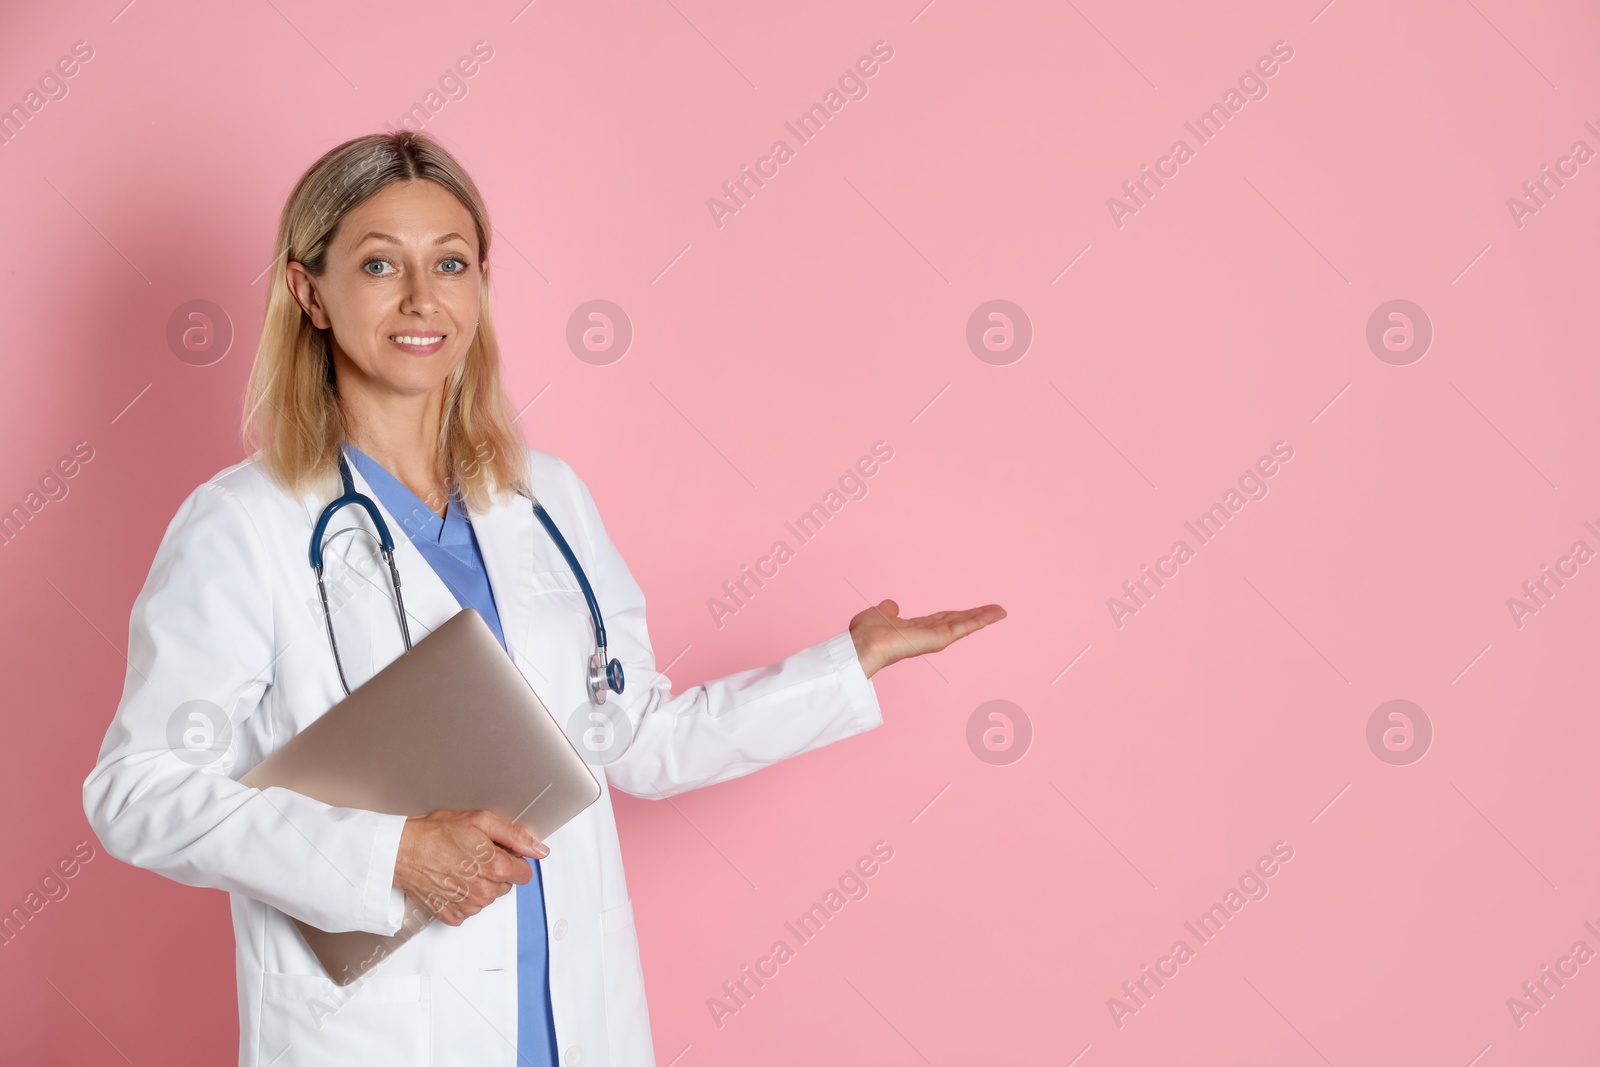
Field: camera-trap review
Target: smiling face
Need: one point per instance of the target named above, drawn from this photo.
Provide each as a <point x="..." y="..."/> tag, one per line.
<point x="399" y="291"/>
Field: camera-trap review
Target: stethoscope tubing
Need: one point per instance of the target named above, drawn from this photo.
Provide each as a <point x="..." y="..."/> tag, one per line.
<point x="603" y="675"/>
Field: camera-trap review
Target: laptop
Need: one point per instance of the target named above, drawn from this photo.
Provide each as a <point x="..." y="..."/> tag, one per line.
<point x="450" y="724"/>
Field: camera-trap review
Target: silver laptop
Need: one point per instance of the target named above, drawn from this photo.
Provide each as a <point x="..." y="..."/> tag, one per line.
<point x="450" y="724"/>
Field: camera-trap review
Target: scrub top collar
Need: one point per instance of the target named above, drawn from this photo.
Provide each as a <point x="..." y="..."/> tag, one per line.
<point x="419" y="520"/>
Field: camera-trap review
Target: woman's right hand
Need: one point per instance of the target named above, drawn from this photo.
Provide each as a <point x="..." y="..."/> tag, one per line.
<point x="456" y="863"/>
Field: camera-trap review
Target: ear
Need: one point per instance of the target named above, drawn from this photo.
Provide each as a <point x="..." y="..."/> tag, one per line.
<point x="304" y="288"/>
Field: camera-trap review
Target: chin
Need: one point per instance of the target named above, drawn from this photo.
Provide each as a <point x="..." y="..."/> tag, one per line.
<point x="412" y="382"/>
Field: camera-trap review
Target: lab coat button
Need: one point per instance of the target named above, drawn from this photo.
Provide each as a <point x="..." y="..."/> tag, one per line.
<point x="560" y="929"/>
<point x="574" y="1054"/>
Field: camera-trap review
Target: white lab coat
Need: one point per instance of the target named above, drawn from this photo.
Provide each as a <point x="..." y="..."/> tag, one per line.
<point x="229" y="614"/>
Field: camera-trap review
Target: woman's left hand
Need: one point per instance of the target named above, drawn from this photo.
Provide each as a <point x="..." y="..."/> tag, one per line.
<point x="882" y="637"/>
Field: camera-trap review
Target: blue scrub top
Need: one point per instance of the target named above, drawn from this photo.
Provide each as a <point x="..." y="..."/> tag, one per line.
<point x="451" y="549"/>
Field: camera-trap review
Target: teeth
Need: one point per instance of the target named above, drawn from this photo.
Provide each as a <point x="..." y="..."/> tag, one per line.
<point x="408" y="340"/>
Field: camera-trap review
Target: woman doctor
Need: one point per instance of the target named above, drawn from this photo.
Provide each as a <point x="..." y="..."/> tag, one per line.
<point x="378" y="346"/>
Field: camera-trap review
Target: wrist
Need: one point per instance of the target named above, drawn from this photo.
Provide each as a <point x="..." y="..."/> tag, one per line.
<point x="864" y="653"/>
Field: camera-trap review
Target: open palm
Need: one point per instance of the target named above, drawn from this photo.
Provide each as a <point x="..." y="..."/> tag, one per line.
<point x="882" y="637"/>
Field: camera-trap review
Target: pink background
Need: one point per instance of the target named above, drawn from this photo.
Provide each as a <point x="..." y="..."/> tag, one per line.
<point x="830" y="312"/>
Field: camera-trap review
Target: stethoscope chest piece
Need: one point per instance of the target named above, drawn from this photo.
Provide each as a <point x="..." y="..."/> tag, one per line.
<point x="603" y="677"/>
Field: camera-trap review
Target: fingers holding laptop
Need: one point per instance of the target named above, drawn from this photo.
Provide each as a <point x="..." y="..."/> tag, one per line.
<point x="459" y="862"/>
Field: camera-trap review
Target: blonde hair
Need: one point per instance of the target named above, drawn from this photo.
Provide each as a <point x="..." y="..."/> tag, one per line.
<point x="291" y="403"/>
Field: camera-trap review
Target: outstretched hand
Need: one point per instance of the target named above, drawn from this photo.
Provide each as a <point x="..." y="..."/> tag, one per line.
<point x="882" y="637"/>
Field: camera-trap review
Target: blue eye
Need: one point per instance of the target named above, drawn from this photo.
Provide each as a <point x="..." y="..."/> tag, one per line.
<point x="463" y="266"/>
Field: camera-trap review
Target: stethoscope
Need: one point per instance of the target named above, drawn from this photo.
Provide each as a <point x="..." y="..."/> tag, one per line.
<point x="603" y="676"/>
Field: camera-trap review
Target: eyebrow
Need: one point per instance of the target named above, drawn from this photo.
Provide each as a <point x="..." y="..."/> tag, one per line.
<point x="395" y="240"/>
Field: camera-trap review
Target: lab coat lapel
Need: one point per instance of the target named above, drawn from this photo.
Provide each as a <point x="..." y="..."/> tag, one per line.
<point x="504" y="533"/>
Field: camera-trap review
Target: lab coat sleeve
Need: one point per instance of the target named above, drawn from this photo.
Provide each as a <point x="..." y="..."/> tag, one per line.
<point x="201" y="629"/>
<point x="728" y="727"/>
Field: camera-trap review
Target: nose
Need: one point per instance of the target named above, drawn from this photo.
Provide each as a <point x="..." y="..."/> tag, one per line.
<point x="420" y="292"/>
